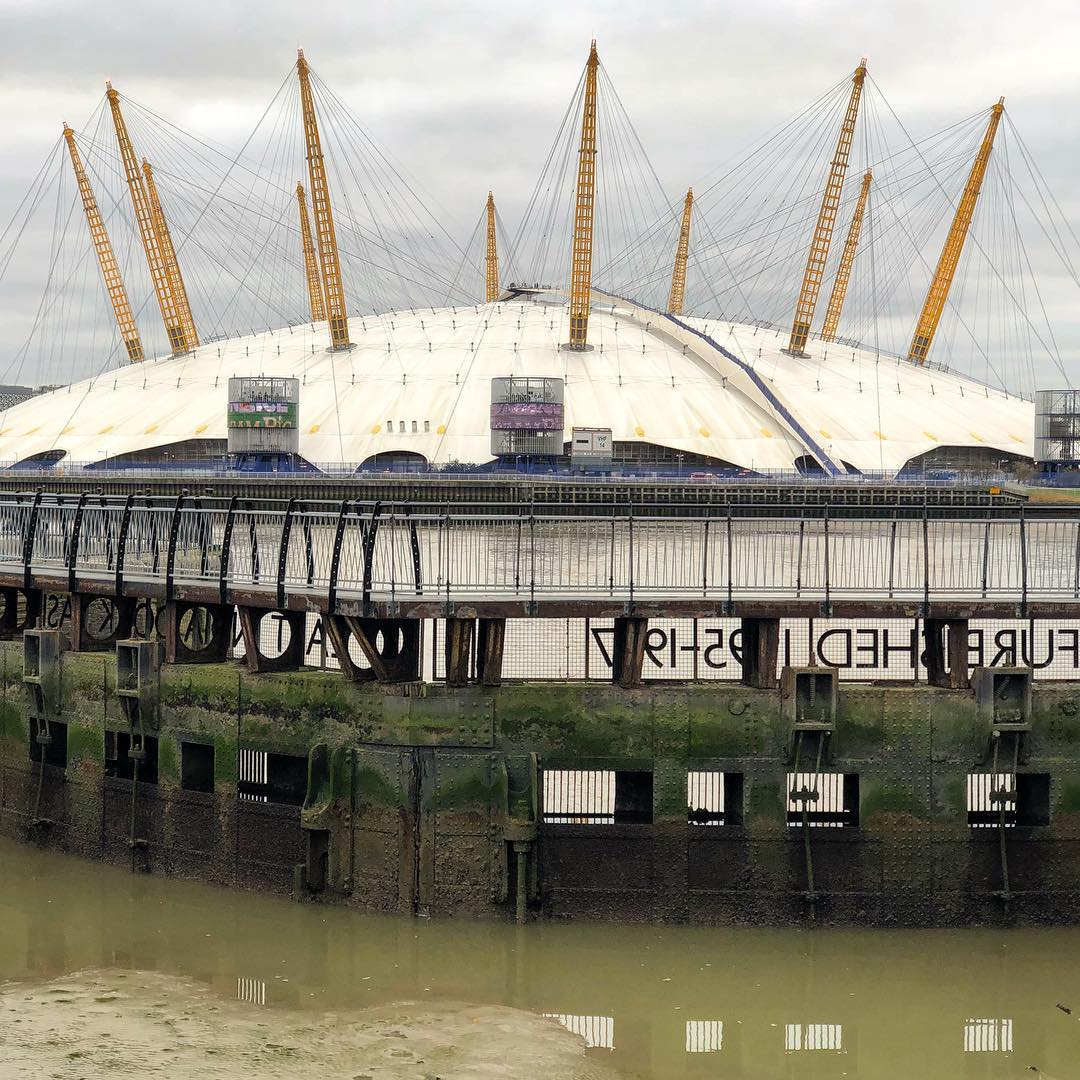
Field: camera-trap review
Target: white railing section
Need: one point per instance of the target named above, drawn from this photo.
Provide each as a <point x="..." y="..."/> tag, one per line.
<point x="380" y="551"/>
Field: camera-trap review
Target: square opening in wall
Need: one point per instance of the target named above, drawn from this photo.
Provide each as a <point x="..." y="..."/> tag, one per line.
<point x="1032" y="799"/>
<point x="55" y="750"/>
<point x="597" y="797"/>
<point x="579" y="796"/>
<point x="120" y="764"/>
<point x="197" y="766"/>
<point x="714" y="798"/>
<point x="272" y="778"/>
<point x="828" y="799"/>
<point x="991" y="800"/>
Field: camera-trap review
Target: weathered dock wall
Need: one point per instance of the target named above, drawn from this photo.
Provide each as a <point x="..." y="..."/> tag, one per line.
<point x="428" y="798"/>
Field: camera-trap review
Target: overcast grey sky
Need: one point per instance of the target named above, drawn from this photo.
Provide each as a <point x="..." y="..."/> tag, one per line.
<point x="468" y="95"/>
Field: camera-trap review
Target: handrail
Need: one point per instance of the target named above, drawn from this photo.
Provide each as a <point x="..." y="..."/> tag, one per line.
<point x="815" y="554"/>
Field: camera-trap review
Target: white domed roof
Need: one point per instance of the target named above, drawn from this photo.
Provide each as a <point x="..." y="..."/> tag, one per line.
<point x="421" y="382"/>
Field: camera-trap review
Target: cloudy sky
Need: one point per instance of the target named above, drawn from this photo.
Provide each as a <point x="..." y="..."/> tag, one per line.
<point x="468" y="95"/>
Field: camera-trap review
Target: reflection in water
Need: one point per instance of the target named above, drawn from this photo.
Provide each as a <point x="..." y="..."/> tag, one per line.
<point x="597" y="1031"/>
<point x="654" y="1002"/>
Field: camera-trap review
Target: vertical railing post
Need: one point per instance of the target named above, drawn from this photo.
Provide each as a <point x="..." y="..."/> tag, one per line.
<point x="106" y="518"/>
<point x="630" y="543"/>
<point x="335" y="557"/>
<point x="283" y="551"/>
<point x="704" y="571"/>
<point x="1024" y="566"/>
<point x="414" y="543"/>
<point x="828" y="569"/>
<point x="517" y="553"/>
<point x="203" y="532"/>
<point x="532" y="560"/>
<point x="799" y="554"/>
<point x="1076" y="573"/>
<point x="926" y="558"/>
<point x="121" y="544"/>
<point x="986" y="556"/>
<point x="253" y="538"/>
<point x="730" y="563"/>
<point x="611" y="559"/>
<point x="174" y="532"/>
<point x="226" y="547"/>
<point x="28" y="538"/>
<point x="892" y="556"/>
<point x="73" y="542"/>
<point x="369" y="556"/>
<point x="309" y="550"/>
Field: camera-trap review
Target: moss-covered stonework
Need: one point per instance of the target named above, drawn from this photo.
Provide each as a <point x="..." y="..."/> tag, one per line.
<point x="419" y="793"/>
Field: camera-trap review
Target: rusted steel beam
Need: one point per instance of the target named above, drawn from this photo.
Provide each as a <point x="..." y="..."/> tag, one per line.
<point x="760" y="647"/>
<point x="290" y="659"/>
<point x="459" y="634"/>
<point x="946" y="643"/>
<point x="628" y="650"/>
<point x="490" y="642"/>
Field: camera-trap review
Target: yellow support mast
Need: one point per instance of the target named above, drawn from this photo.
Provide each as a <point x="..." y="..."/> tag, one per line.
<point x="334" y="289"/>
<point x="682" y="250"/>
<point x="581" y="271"/>
<point x="938" y="293"/>
<point x="168" y="253"/>
<point x="491" y="259"/>
<point x="110" y="269"/>
<point x="311" y="262"/>
<point x="830" y="203"/>
<point x="847" y="257"/>
<point x="144" y="218"/>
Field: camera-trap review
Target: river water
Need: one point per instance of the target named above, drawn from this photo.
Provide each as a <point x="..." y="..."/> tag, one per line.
<point x="103" y="973"/>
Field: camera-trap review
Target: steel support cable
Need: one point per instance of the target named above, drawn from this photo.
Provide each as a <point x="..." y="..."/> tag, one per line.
<point x="233" y="161"/>
<point x="391" y="250"/>
<point x="177" y="164"/>
<point x="433" y="262"/>
<point x="539" y="208"/>
<point x="558" y="144"/>
<point x="875" y="166"/>
<point x="56" y="249"/>
<point x="897" y="271"/>
<point x="30" y="201"/>
<point x="238" y="161"/>
<point x="624" y="140"/>
<point x="395" y="170"/>
<point x="468" y="255"/>
<point x="217" y="199"/>
<point x="797" y="148"/>
<point x="1043" y="189"/>
<point x="974" y="238"/>
<point x="959" y="316"/>
<point x="405" y="249"/>
<point x="337" y="151"/>
<point x="1025" y="260"/>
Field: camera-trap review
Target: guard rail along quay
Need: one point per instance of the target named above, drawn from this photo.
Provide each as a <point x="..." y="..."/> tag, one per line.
<point x="386" y="559"/>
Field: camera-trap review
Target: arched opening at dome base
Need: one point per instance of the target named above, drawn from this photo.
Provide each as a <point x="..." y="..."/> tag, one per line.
<point x="944" y="462"/>
<point x="47" y="459"/>
<point x="634" y="456"/>
<point x="186" y="452"/>
<point x="808" y="465"/>
<point x="395" y="461"/>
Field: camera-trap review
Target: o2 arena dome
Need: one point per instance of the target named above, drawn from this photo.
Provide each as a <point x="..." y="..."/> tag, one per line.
<point x="417" y="387"/>
<point x="635" y="358"/>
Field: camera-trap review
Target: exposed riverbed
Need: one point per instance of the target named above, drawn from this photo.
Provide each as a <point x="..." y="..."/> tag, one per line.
<point x="107" y="974"/>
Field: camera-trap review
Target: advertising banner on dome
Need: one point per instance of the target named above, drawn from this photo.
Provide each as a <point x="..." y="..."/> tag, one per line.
<point x="263" y="414"/>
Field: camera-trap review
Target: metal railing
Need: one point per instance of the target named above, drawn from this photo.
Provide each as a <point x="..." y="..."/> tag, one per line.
<point x="379" y="550"/>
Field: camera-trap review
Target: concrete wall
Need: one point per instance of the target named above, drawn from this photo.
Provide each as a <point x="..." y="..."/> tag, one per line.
<point x="416" y="795"/>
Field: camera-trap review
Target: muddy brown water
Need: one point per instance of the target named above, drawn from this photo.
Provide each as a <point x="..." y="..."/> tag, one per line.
<point x="107" y="974"/>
